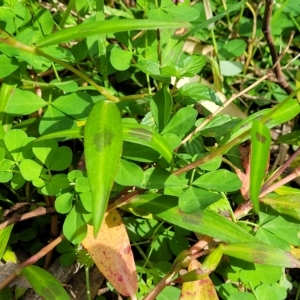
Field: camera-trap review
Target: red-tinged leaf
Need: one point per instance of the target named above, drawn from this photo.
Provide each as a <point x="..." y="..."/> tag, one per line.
<point x="245" y="177"/>
<point x="103" y="148"/>
<point x="261" y="141"/>
<point x="45" y="284"/>
<point x="261" y="253"/>
<point x="202" y="289"/>
<point x="112" y="254"/>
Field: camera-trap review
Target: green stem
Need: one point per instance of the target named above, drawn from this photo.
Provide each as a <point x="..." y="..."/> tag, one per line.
<point x="100" y="16"/>
<point x="64" y="18"/>
<point x="13" y="43"/>
<point x="99" y="88"/>
<point x="87" y="281"/>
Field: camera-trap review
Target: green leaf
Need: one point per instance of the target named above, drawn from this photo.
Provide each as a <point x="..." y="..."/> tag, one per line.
<point x="54" y="185"/>
<point x="169" y="292"/>
<point x="161" y="106"/>
<point x="269" y="238"/>
<point x="14" y="140"/>
<point x="5" y="165"/>
<point x="198" y="26"/>
<point x="24" y="103"/>
<point x="211" y="165"/>
<point x="44" y="284"/>
<point x="66" y="86"/>
<point x="82" y="184"/>
<point x="120" y="59"/>
<point x="103" y="148"/>
<point x="129" y="174"/>
<point x="220" y="180"/>
<point x="194" y="198"/>
<point x="133" y="133"/>
<point x="30" y="169"/>
<point x="241" y="296"/>
<point x="233" y="48"/>
<point x="193" y="92"/>
<point x="182" y="121"/>
<point x="147" y="136"/>
<point x="17" y="181"/>
<point x="6" y="13"/>
<point x="74" y="228"/>
<point x="8" y="65"/>
<point x="45" y="151"/>
<point x="4" y="237"/>
<point x="285" y="228"/>
<point x="230" y="68"/>
<point x="5" y="176"/>
<point x="104" y="27"/>
<point x="54" y="120"/>
<point x="292" y="138"/>
<point x="86" y="201"/>
<point x="204" y="222"/>
<point x="43" y="20"/>
<point x="185" y="13"/>
<point x="62" y="159"/>
<point x="153" y="69"/>
<point x="287" y="204"/>
<point x="274" y="291"/>
<point x="63" y="203"/>
<point x="192" y="65"/>
<point x="68" y="134"/>
<point x="261" y="142"/>
<point x="279" y="114"/>
<point x="262" y="254"/>
<point x="158" y="178"/>
<point x="76" y="105"/>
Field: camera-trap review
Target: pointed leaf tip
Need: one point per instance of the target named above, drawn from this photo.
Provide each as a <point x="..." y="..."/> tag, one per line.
<point x="103" y="147"/>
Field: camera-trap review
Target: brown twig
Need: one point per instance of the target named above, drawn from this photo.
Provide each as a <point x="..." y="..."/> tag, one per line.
<point x="32" y="214"/>
<point x="33" y="259"/>
<point x="266" y="28"/>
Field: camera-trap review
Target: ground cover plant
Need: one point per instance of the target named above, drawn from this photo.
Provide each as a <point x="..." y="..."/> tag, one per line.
<point x="157" y="140"/>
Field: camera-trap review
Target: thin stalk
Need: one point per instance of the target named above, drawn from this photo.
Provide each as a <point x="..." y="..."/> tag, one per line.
<point x="64" y="18"/>
<point x="252" y="41"/>
<point x="88" y="284"/>
<point x="13" y="43"/>
<point x="100" y="16"/>
<point x="30" y="261"/>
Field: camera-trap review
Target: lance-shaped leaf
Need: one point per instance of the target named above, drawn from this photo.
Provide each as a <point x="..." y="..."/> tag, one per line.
<point x="112" y="254"/>
<point x="103" y="147"/>
<point x="161" y="106"/>
<point x="279" y="114"/>
<point x="134" y="133"/>
<point x="144" y="135"/>
<point x="261" y="253"/>
<point x="104" y="27"/>
<point x="261" y="141"/>
<point x="202" y="289"/>
<point x="205" y="222"/>
<point x="4" y="237"/>
<point x="44" y="284"/>
<point x="287" y="204"/>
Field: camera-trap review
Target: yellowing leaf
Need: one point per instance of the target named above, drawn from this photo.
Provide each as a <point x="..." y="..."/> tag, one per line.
<point x="112" y="254"/>
<point x="202" y="289"/>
